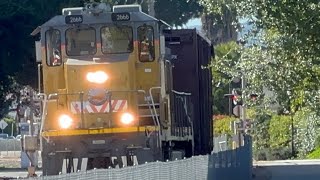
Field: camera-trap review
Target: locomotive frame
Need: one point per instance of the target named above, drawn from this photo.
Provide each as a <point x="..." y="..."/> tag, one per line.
<point x="109" y="107"/>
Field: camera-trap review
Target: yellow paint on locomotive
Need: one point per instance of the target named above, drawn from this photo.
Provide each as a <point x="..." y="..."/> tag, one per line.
<point x="125" y="76"/>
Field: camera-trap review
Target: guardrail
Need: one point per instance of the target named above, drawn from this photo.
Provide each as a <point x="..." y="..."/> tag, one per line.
<point x="226" y="165"/>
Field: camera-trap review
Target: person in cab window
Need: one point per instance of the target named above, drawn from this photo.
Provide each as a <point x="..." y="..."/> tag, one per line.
<point x="107" y="45"/>
<point x="146" y="49"/>
<point x="56" y="57"/>
<point x="55" y="44"/>
<point x="145" y="46"/>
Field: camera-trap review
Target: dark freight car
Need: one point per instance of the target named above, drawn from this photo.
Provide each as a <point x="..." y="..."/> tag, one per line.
<point x="190" y="54"/>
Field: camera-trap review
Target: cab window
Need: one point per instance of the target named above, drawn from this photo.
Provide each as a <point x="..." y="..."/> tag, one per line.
<point x="80" y="41"/>
<point x="146" y="43"/>
<point x="116" y="39"/>
<point x="53" y="47"/>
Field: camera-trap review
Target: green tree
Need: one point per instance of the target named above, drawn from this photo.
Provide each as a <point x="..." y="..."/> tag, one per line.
<point x="177" y="12"/>
<point x="226" y="57"/>
<point x="282" y="48"/>
<point x="280" y="53"/>
<point x="18" y="18"/>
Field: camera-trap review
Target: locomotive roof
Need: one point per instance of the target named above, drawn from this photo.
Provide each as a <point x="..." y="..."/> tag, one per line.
<point x="102" y="18"/>
<point x="135" y="15"/>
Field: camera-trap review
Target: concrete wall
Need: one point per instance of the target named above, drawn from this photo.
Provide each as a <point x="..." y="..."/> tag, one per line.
<point x="10" y="145"/>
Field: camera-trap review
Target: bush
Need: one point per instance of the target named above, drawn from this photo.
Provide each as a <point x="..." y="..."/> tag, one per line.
<point x="260" y="133"/>
<point x="317" y="142"/>
<point x="314" y="154"/>
<point x="280" y="153"/>
<point x="280" y="131"/>
<point x="306" y="131"/>
<point x="261" y="154"/>
<point x="221" y="125"/>
<point x="272" y="135"/>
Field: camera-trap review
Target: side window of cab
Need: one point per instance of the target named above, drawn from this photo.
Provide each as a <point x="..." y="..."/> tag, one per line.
<point x="146" y="43"/>
<point x="53" y="47"/>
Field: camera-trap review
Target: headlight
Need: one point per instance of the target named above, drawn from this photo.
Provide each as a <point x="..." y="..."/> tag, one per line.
<point x="98" y="77"/>
<point x="127" y="118"/>
<point x="65" y="121"/>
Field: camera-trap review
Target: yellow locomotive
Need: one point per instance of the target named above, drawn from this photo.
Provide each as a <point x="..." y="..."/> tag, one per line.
<point x="120" y="90"/>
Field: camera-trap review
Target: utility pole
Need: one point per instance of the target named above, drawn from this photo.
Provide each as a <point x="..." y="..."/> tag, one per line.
<point x="243" y="86"/>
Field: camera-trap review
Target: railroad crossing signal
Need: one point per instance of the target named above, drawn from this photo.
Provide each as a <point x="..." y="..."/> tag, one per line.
<point x="237" y="102"/>
<point x="237" y="110"/>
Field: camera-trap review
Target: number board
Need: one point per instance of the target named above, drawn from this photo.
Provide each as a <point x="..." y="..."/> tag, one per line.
<point x="120" y="16"/>
<point x="74" y="19"/>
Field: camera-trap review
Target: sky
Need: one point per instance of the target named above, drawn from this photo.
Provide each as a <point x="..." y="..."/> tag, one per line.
<point x="194" y="22"/>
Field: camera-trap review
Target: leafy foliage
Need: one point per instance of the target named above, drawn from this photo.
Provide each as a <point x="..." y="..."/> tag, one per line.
<point x="280" y="131"/>
<point x="306" y="131"/>
<point x="222" y="125"/>
<point x="282" y="47"/>
<point x="177" y="12"/>
<point x="226" y="56"/>
<point x="260" y="135"/>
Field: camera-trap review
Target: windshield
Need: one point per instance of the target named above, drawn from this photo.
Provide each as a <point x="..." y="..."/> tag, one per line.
<point x="116" y="39"/>
<point x="53" y="45"/>
<point x="80" y="41"/>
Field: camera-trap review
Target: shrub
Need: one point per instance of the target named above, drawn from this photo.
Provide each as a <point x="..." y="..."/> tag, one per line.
<point x="221" y="125"/>
<point x="306" y="131"/>
<point x="314" y="154"/>
<point x="280" y="131"/>
<point x="317" y="142"/>
<point x="280" y="153"/>
<point x="260" y="133"/>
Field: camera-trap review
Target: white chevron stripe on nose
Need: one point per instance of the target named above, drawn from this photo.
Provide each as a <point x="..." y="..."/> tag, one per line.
<point x="118" y="105"/>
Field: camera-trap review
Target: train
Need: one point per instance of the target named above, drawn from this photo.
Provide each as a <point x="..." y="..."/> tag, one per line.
<point x="118" y="88"/>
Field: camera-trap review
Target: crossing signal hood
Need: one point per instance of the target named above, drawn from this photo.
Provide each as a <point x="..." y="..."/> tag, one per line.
<point x="235" y="96"/>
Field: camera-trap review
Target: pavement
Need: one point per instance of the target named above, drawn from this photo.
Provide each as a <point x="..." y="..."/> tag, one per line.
<point x="287" y="169"/>
<point x="10" y="165"/>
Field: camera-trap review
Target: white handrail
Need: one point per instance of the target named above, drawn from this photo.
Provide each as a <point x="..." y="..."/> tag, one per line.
<point x="155" y="112"/>
<point x="44" y="110"/>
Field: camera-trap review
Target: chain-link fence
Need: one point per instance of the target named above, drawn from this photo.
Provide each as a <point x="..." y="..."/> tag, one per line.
<point x="223" y="165"/>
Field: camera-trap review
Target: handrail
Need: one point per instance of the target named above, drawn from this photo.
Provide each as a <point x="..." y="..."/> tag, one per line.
<point x="155" y="112"/>
<point x="44" y="110"/>
<point x="181" y="93"/>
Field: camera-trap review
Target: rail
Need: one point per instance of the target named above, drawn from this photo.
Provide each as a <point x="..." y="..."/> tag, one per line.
<point x="155" y="113"/>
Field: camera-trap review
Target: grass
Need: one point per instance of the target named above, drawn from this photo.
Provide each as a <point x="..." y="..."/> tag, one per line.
<point x="314" y="154"/>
